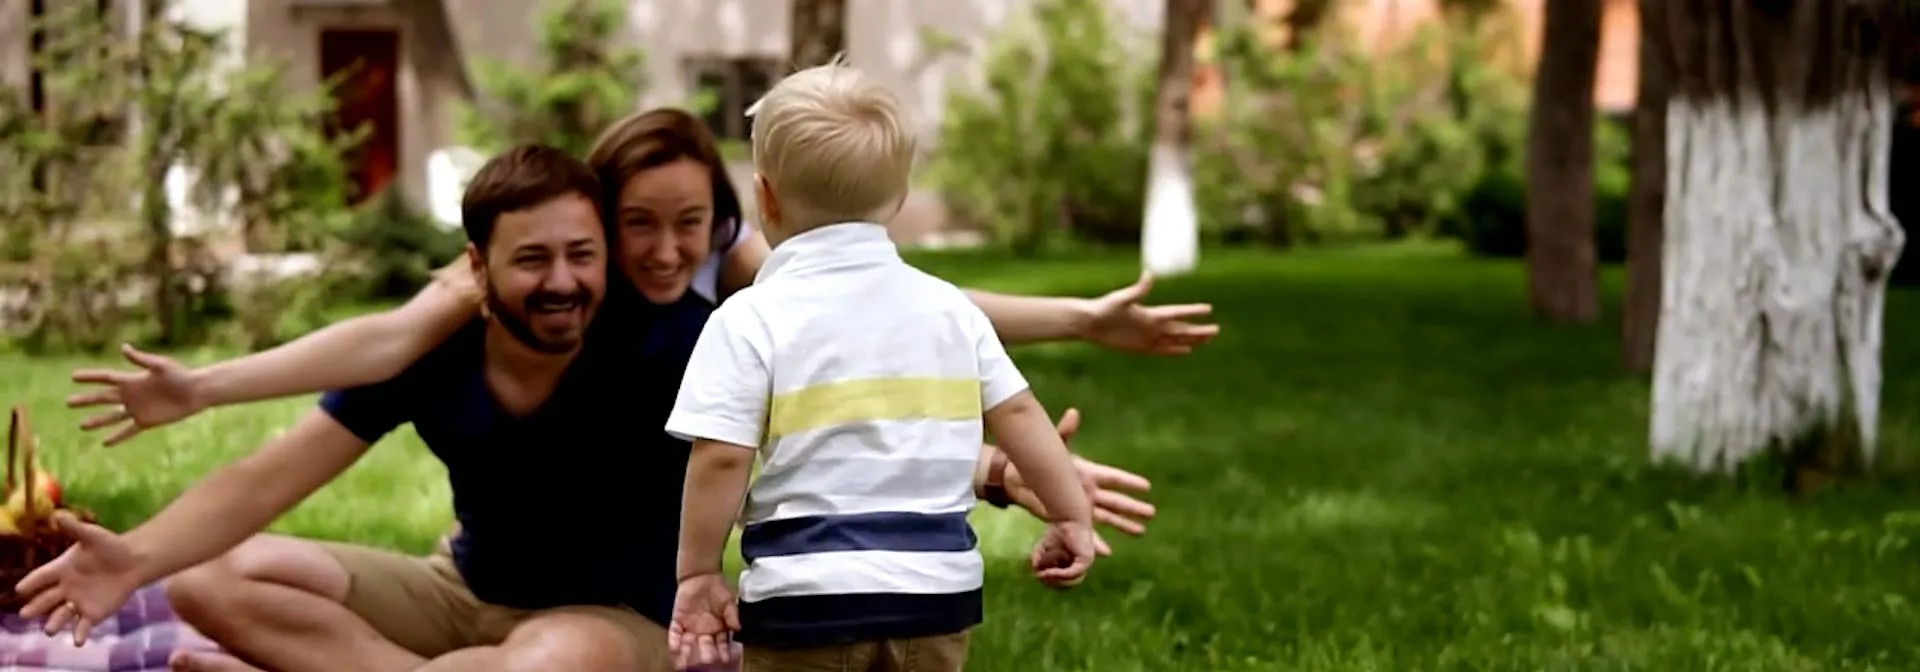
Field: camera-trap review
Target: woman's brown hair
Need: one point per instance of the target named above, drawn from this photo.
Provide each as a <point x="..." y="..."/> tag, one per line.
<point x="655" y="138"/>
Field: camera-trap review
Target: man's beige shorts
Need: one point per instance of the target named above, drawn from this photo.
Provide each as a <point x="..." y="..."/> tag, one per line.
<point x="423" y="604"/>
<point x="945" y="653"/>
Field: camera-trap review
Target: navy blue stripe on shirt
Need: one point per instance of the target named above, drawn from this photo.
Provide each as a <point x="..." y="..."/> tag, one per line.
<point x="877" y="531"/>
<point x="809" y="621"/>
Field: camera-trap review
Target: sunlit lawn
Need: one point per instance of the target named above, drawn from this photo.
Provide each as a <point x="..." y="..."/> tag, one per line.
<point x="1383" y="464"/>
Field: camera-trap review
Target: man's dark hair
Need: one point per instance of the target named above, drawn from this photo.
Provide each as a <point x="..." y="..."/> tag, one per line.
<point x="520" y="178"/>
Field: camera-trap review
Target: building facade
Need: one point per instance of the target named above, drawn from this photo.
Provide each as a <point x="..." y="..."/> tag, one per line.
<point x="405" y="63"/>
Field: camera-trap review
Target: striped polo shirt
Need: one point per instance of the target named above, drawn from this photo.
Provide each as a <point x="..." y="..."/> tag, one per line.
<point x="862" y="381"/>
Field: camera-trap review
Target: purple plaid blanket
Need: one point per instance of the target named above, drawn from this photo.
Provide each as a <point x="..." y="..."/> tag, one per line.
<point x="139" y="638"/>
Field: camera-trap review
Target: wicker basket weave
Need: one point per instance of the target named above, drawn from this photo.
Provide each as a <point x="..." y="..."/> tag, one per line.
<point x="36" y="541"/>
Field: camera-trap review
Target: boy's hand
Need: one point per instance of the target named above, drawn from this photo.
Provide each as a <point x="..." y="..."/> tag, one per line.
<point x="704" y="619"/>
<point x="1064" y="554"/>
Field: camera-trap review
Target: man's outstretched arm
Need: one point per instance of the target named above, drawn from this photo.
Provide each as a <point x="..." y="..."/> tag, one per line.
<point x="241" y="499"/>
<point x="997" y="481"/>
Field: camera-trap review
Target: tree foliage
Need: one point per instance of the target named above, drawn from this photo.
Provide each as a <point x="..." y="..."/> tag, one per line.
<point x="1054" y="141"/>
<point x="584" y="81"/>
<point x="89" y="220"/>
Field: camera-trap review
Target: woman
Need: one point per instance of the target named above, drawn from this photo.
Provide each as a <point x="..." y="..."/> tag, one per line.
<point x="682" y="244"/>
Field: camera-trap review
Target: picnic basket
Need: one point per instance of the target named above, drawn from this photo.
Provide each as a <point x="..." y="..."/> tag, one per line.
<point x="28" y="536"/>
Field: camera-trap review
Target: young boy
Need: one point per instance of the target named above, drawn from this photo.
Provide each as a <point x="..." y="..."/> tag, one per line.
<point x="864" y="385"/>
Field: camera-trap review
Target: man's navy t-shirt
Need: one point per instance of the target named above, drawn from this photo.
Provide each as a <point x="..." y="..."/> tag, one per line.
<point x="576" y="503"/>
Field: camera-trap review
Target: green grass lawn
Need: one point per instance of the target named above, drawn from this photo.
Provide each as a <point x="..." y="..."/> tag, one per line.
<point x="1382" y="464"/>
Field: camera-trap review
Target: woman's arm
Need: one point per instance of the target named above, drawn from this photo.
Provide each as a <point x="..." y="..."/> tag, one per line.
<point x="1018" y="319"/>
<point x="357" y="351"/>
<point x="743" y="262"/>
<point x="1115" y="320"/>
<point x="1034" y="319"/>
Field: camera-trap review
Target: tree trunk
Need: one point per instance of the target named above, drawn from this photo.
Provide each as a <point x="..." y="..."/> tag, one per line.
<point x="1170" y="234"/>
<point x="157" y="218"/>
<point x="1562" y="273"/>
<point x="1304" y="20"/>
<point x="1778" y="234"/>
<point x="818" y="31"/>
<point x="1647" y="195"/>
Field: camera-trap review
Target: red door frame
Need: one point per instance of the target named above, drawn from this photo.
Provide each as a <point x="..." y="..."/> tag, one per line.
<point x="368" y="96"/>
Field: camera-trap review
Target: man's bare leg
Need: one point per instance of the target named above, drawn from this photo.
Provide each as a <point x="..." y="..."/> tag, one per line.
<point x="551" y="641"/>
<point x="202" y="661"/>
<point x="277" y="603"/>
<point x="558" y="641"/>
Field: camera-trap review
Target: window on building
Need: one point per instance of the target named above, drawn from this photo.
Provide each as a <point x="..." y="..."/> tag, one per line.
<point x="733" y="84"/>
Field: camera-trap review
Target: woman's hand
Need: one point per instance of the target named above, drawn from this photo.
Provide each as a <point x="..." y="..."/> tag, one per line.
<point x="1106" y="486"/>
<point x="158" y="393"/>
<point x="1120" y="321"/>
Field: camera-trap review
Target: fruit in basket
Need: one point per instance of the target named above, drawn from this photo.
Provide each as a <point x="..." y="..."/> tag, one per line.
<point x="29" y="537"/>
<point x="46" y="498"/>
<point x="46" y="495"/>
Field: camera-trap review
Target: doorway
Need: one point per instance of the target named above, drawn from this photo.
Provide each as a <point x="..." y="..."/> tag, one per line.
<point x="367" y="63"/>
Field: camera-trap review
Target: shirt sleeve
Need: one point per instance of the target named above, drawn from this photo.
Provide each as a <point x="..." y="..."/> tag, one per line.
<point x="728" y="384"/>
<point x="370" y="411"/>
<point x="1000" y="380"/>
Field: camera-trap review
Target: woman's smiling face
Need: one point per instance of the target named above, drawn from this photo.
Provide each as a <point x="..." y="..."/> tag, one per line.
<point x="665" y="228"/>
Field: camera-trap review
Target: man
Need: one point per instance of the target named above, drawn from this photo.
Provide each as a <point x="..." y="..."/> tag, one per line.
<point x="501" y="403"/>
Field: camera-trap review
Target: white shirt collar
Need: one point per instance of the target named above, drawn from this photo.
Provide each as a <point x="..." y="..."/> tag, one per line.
<point x="834" y="244"/>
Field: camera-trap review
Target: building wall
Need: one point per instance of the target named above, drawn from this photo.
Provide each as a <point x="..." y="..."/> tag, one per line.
<point x="15" y="65"/>
<point x="884" y="37"/>
<point x="290" y="30"/>
<point x="1381" y="23"/>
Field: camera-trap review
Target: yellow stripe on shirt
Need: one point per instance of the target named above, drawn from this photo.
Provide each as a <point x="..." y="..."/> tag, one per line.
<point x="873" y="399"/>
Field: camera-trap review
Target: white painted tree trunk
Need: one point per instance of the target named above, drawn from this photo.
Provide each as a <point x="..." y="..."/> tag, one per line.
<point x="1170" y="231"/>
<point x="1778" y="240"/>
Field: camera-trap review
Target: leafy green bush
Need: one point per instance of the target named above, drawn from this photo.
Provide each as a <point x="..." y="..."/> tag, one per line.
<point x="584" y="83"/>
<point x="1055" y="142"/>
<point x="398" y="247"/>
<point x="1493" y="220"/>
<point x="1322" y="139"/>
<point x="1278" y="164"/>
<point x="1326" y="138"/>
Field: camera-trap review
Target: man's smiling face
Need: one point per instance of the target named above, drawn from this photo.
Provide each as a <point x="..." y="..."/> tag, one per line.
<point x="546" y="270"/>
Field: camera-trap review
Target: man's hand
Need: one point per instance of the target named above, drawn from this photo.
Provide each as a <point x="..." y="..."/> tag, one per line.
<point x="1104" y="488"/>
<point x="161" y="392"/>
<point x="704" y="619"/>
<point x="83" y="586"/>
<point x="1118" y="321"/>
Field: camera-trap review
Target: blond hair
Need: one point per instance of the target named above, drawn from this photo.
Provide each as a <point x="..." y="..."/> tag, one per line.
<point x="834" y="145"/>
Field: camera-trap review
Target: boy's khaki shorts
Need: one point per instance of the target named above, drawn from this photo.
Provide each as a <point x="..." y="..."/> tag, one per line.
<point x="422" y="604"/>
<point x="943" y="653"/>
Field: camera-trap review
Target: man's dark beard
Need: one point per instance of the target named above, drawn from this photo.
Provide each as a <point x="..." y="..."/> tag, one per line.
<point x="516" y="323"/>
